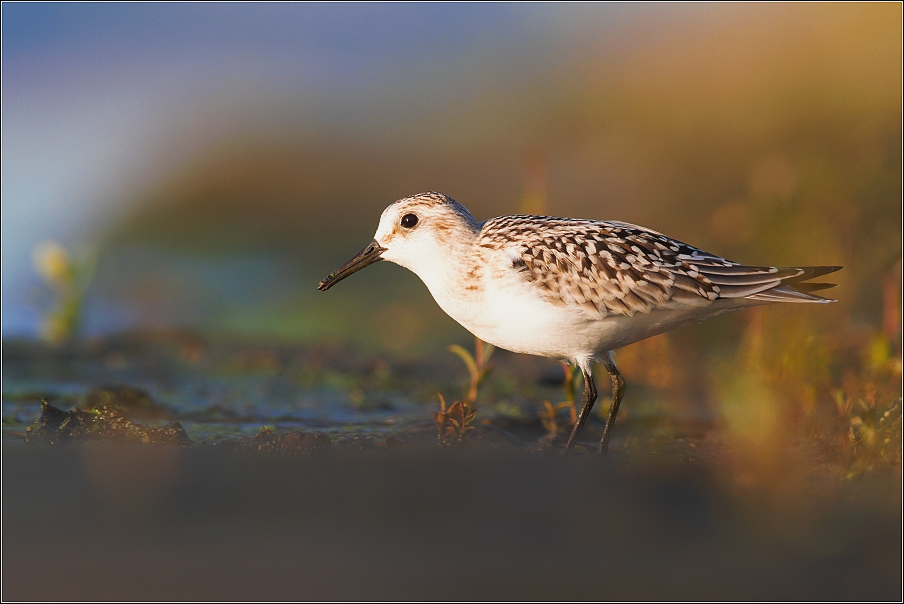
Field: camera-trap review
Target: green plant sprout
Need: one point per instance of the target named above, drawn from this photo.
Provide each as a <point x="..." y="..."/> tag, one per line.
<point x="477" y="365"/>
<point x="456" y="419"/>
<point x="68" y="279"/>
<point x="550" y="411"/>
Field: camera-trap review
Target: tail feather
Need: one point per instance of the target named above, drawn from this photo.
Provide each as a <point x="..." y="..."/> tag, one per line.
<point x="813" y="287"/>
<point x="746" y="291"/>
<point x="759" y="278"/>
<point x="811" y="272"/>
<point x="796" y="289"/>
<point x="717" y="268"/>
<point x="786" y="293"/>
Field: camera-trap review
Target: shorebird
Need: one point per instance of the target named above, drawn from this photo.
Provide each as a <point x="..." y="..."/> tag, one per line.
<point x="570" y="289"/>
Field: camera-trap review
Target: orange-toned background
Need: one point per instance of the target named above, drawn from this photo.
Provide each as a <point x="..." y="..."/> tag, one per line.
<point x="219" y="160"/>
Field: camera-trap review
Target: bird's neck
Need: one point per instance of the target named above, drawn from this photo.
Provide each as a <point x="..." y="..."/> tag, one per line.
<point x="447" y="270"/>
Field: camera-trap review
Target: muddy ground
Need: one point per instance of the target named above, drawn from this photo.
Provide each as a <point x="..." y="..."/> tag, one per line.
<point x="168" y="467"/>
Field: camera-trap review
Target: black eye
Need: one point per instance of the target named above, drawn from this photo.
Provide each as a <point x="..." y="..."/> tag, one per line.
<point x="409" y="221"/>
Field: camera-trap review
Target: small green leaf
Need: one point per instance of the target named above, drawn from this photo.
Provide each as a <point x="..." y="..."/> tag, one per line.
<point x="465" y="356"/>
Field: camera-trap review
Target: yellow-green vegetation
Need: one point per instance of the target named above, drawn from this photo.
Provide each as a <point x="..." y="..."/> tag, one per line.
<point x="454" y="422"/>
<point x="869" y="405"/>
<point x="549" y="415"/>
<point x="477" y="366"/>
<point x="68" y="277"/>
<point x="790" y="381"/>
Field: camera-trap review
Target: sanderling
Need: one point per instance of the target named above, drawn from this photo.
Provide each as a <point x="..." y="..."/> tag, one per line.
<point x="569" y="289"/>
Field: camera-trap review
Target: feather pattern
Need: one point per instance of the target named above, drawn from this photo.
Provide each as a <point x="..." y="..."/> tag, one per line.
<point x="565" y="288"/>
<point x="613" y="268"/>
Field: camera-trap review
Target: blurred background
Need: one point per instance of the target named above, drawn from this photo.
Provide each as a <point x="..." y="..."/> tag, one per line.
<point x="177" y="178"/>
<point x="202" y="166"/>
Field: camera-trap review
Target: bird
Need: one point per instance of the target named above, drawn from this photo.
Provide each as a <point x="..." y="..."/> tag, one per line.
<point x="570" y="289"/>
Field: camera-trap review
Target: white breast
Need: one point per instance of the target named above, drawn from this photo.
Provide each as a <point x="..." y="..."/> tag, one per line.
<point x="498" y="306"/>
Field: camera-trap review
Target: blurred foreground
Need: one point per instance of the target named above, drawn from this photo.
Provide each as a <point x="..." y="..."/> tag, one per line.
<point x="106" y="522"/>
<point x="314" y="473"/>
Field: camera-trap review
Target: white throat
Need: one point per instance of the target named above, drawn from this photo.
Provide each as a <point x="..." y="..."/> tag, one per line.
<point x="443" y="267"/>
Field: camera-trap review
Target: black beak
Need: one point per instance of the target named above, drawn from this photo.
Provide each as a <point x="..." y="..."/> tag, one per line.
<point x="370" y="254"/>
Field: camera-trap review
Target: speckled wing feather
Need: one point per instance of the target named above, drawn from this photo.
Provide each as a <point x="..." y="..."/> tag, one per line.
<point x="616" y="268"/>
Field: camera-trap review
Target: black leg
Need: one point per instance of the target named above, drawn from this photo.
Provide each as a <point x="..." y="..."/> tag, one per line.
<point x="587" y="401"/>
<point x="618" y="390"/>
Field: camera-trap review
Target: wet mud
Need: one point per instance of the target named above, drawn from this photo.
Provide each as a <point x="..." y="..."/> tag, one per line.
<point x="103" y="421"/>
<point x="169" y="467"/>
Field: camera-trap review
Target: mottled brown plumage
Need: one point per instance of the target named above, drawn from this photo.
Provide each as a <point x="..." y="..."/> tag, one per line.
<point x="566" y="288"/>
<point x="616" y="268"/>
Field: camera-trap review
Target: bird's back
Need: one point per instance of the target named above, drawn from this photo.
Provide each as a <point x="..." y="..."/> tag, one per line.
<point x="619" y="282"/>
<point x="615" y="268"/>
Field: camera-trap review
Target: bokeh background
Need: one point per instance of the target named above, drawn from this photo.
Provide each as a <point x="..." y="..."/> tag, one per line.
<point x="202" y="166"/>
<point x="177" y="178"/>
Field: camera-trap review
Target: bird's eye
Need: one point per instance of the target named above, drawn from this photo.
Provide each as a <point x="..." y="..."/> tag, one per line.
<point x="409" y="221"/>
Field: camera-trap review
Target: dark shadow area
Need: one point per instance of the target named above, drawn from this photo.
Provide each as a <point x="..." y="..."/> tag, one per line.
<point x="127" y="522"/>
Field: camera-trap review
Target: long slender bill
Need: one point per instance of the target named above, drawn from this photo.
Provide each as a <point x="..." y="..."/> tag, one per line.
<point x="371" y="253"/>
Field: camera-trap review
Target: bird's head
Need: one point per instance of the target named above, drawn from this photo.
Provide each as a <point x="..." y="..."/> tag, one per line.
<point x="413" y="232"/>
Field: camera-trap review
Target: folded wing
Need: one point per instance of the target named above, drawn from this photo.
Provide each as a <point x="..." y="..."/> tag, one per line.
<point x="616" y="268"/>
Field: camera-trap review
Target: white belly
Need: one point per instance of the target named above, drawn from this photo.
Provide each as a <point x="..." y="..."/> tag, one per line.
<point x="530" y="325"/>
<point x="513" y="316"/>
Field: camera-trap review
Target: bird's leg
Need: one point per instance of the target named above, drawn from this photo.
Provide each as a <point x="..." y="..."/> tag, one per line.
<point x="587" y="400"/>
<point x="618" y="390"/>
